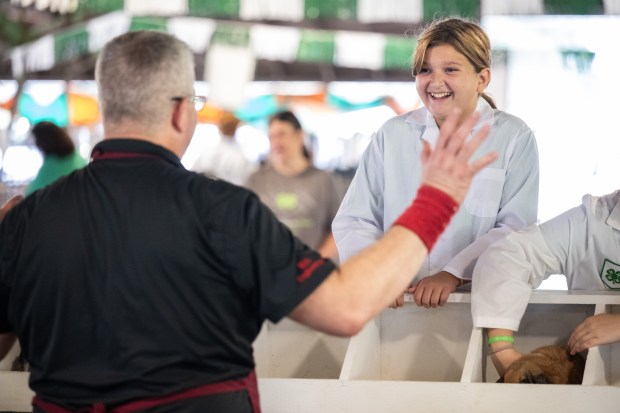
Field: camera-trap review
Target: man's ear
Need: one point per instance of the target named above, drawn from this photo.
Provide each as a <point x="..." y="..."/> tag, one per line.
<point x="179" y="114"/>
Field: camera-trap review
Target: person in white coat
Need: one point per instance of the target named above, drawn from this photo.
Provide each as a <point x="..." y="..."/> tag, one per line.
<point x="226" y="160"/>
<point x="582" y="243"/>
<point x="451" y="65"/>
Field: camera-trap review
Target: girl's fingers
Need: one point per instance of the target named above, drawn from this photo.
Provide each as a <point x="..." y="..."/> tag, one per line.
<point x="482" y="162"/>
<point x="468" y="149"/>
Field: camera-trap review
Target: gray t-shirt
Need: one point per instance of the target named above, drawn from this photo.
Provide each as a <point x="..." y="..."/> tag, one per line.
<point x="306" y="203"/>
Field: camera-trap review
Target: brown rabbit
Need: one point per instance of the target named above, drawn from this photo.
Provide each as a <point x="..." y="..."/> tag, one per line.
<point x="546" y="365"/>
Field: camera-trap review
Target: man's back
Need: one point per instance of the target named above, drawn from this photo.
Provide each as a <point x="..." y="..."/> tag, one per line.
<point x="135" y="278"/>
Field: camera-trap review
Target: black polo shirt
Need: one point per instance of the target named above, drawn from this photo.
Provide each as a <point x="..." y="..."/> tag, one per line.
<point x="134" y="278"/>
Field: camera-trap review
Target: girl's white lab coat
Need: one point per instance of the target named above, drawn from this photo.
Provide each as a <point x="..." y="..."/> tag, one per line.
<point x="582" y="243"/>
<point x="503" y="196"/>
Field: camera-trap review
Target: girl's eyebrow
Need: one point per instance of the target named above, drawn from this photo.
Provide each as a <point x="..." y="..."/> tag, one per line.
<point x="452" y="63"/>
<point x="448" y="63"/>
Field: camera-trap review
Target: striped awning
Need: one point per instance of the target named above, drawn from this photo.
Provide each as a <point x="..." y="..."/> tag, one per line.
<point x="409" y="11"/>
<point x="247" y="24"/>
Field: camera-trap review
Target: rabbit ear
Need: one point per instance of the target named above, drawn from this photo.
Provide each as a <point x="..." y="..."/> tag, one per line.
<point x="535" y="379"/>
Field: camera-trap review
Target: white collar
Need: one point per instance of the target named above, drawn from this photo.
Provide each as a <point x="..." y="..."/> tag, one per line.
<point x="424" y="118"/>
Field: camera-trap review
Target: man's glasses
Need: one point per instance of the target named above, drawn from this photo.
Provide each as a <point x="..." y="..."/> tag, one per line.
<point x="199" y="101"/>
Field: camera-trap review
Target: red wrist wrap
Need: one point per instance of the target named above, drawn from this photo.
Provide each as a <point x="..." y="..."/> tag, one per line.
<point x="429" y="214"/>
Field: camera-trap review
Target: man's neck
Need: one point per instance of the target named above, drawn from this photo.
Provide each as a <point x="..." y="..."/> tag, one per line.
<point x="130" y="133"/>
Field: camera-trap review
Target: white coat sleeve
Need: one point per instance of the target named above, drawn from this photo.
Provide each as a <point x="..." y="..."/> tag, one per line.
<point x="359" y="221"/>
<point x="509" y="269"/>
<point x="518" y="207"/>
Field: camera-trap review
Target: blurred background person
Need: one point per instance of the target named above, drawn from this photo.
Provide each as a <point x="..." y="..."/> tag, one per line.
<point x="302" y="196"/>
<point x="59" y="155"/>
<point x="226" y="161"/>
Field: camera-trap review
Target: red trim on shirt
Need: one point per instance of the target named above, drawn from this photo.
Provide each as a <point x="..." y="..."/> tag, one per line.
<point x="101" y="156"/>
<point x="247" y="383"/>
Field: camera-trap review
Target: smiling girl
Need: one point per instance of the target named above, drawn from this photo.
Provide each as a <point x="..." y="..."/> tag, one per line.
<point x="451" y="66"/>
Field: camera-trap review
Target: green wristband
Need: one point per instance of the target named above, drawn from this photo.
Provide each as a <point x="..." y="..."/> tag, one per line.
<point x="501" y="339"/>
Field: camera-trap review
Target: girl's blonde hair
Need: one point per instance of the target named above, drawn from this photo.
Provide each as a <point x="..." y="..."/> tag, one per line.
<point x="465" y="36"/>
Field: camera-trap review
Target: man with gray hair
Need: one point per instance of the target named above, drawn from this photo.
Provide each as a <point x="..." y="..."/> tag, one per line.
<point x="134" y="284"/>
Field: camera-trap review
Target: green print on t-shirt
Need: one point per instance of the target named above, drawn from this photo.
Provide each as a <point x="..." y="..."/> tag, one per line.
<point x="287" y="200"/>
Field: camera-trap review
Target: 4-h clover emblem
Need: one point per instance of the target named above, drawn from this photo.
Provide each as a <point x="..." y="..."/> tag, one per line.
<point x="610" y="275"/>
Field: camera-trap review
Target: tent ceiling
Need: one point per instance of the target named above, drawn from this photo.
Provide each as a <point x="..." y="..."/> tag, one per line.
<point x="33" y="24"/>
<point x="20" y="25"/>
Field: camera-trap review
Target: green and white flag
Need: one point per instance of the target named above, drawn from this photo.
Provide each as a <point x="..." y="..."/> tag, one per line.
<point x="33" y="57"/>
<point x="316" y="46"/>
<point x="229" y="66"/>
<point x="71" y="44"/>
<point x="214" y="8"/>
<point x="275" y="42"/>
<point x="103" y="29"/>
<point x="376" y="11"/>
<point x="194" y="31"/>
<point x="289" y="10"/>
<point x="363" y="50"/>
<point x="498" y="7"/>
<point x="156" y="8"/>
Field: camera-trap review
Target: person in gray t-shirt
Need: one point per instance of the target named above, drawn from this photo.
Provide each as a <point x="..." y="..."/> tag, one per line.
<point x="303" y="197"/>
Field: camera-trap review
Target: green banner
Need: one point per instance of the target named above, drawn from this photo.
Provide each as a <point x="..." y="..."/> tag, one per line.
<point x="576" y="7"/>
<point x="437" y="9"/>
<point x="70" y="44"/>
<point x="100" y="6"/>
<point x="316" y="46"/>
<point x="231" y="35"/>
<point x="214" y="8"/>
<point x="331" y="9"/>
<point x="148" y="23"/>
<point x="398" y="52"/>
